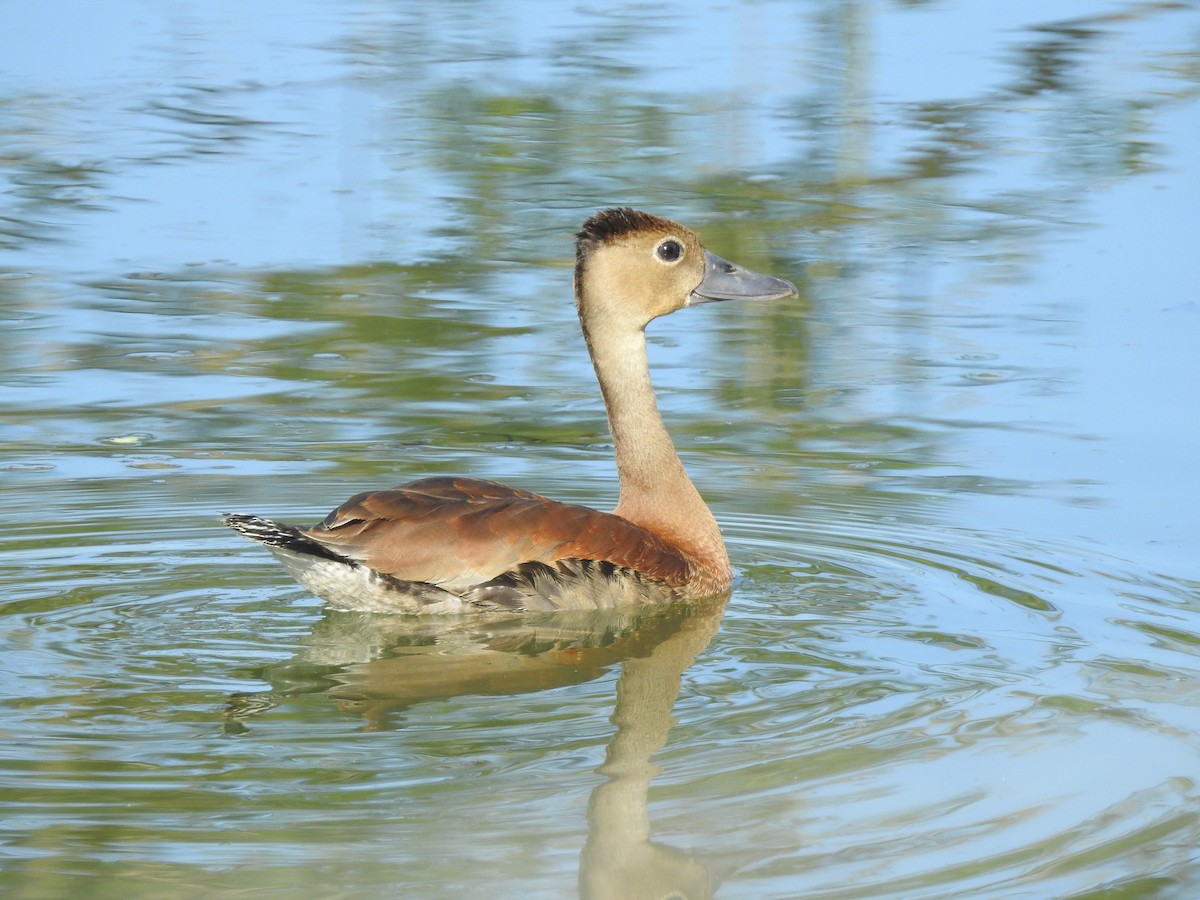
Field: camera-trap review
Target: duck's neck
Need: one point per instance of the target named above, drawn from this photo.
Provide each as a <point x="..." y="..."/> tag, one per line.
<point x="656" y="492"/>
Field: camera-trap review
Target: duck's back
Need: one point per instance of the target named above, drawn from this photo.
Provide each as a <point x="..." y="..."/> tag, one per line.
<point x="454" y="544"/>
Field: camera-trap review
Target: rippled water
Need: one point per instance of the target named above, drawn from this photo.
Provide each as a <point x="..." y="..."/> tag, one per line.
<point x="258" y="258"/>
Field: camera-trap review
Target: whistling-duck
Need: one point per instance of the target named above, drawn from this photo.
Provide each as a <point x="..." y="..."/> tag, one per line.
<point x="443" y="545"/>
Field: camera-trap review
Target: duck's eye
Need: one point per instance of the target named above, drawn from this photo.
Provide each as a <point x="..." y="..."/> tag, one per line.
<point x="669" y="250"/>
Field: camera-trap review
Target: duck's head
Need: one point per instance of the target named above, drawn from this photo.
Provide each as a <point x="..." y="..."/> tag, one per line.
<point x="632" y="267"/>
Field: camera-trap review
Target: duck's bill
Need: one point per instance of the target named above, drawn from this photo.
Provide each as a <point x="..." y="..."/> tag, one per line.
<point x="724" y="280"/>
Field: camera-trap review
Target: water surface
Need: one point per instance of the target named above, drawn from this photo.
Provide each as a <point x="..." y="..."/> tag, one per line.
<point x="260" y="258"/>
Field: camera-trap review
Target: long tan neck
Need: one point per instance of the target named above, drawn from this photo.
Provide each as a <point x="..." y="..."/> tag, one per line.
<point x="656" y="492"/>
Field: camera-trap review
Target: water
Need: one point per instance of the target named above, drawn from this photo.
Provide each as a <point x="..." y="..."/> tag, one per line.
<point x="259" y="258"/>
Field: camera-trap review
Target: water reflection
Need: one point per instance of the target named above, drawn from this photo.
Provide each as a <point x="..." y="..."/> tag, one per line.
<point x="619" y="860"/>
<point x="487" y="139"/>
<point x="375" y="667"/>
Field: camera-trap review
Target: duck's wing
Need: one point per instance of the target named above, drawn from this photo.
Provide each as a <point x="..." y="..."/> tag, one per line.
<point x="493" y="544"/>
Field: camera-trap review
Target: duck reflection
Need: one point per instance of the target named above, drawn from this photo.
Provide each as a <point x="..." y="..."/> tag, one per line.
<point x="619" y="859"/>
<point x="378" y="665"/>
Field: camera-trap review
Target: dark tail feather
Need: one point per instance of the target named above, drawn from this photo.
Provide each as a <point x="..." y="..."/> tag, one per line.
<point x="276" y="534"/>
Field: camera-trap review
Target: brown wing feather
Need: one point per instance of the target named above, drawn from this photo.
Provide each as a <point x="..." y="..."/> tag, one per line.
<point x="459" y="532"/>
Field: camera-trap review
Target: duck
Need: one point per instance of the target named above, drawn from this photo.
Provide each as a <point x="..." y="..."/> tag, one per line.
<point x="454" y="545"/>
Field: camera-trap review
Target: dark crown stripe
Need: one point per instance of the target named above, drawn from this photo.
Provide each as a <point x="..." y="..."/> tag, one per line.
<point x="610" y="223"/>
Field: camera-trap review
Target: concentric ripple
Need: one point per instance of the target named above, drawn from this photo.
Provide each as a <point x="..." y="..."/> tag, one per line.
<point x="901" y="706"/>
